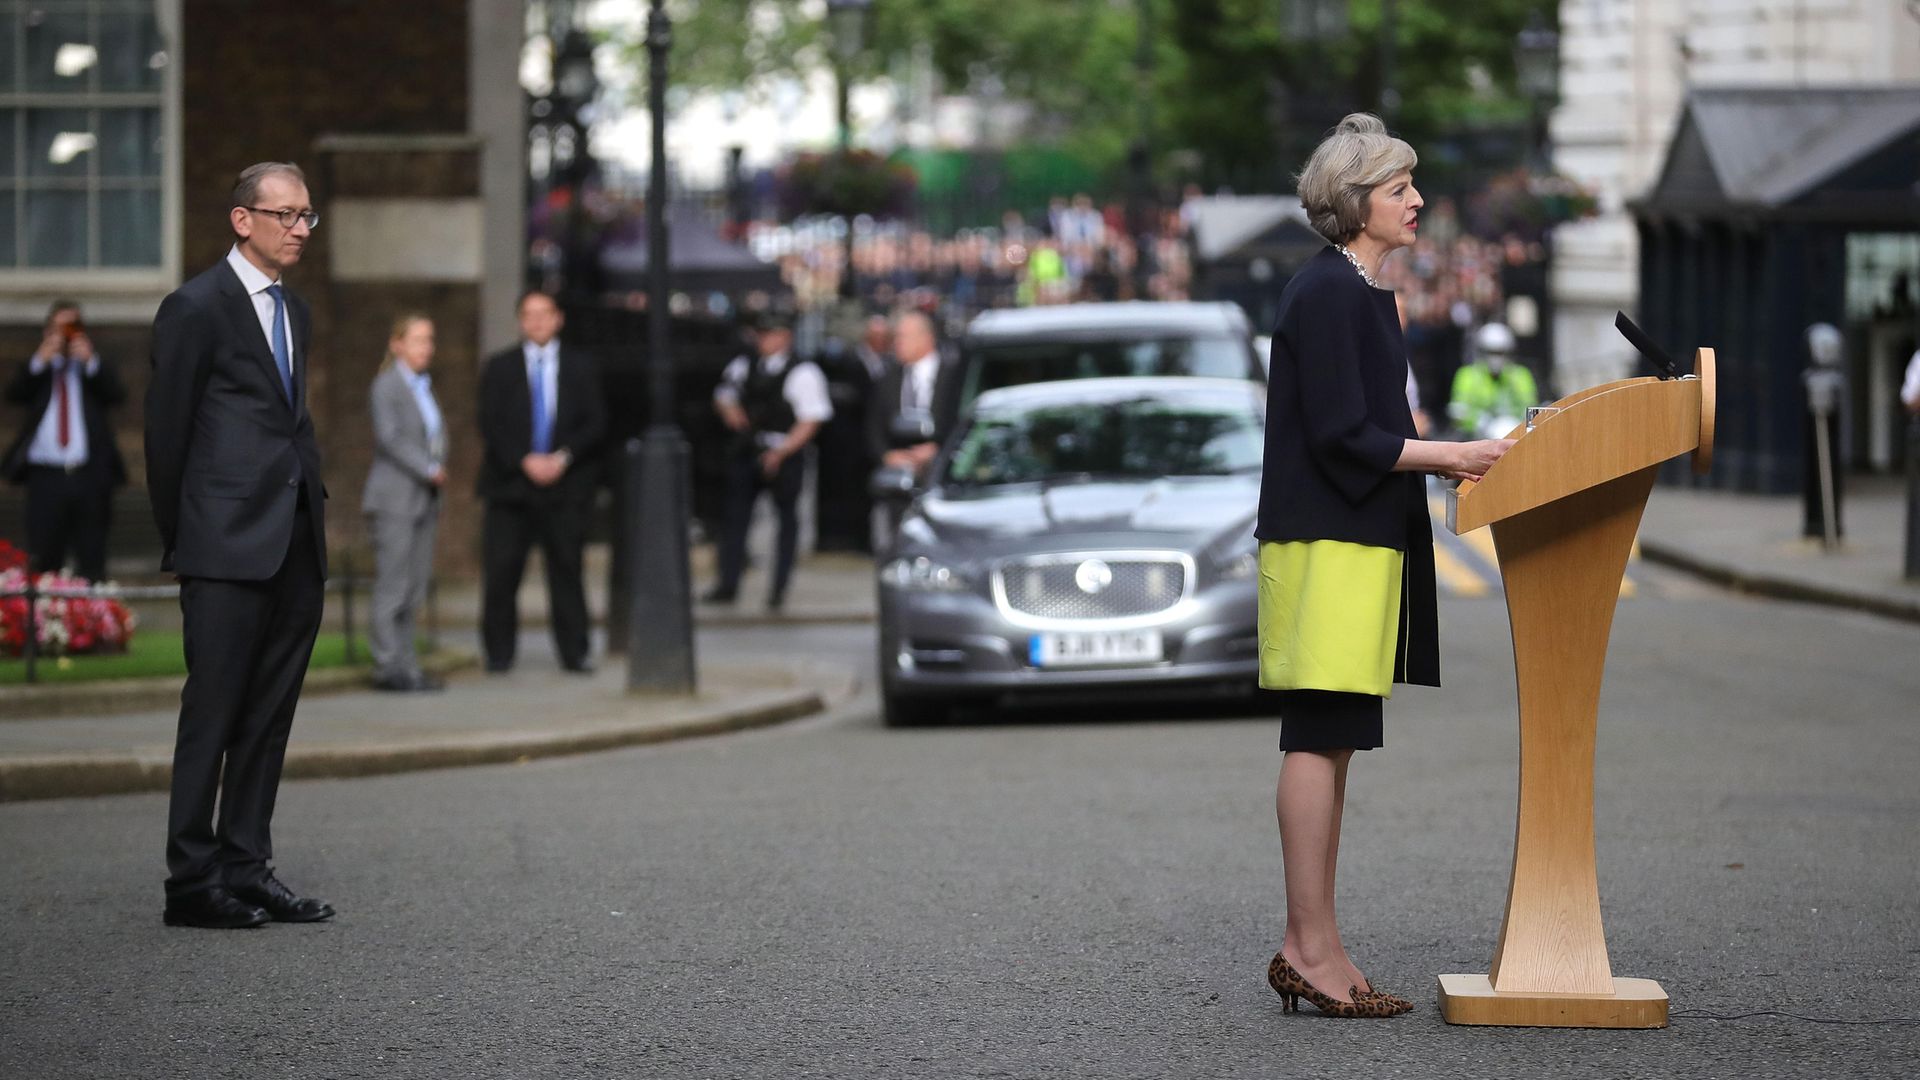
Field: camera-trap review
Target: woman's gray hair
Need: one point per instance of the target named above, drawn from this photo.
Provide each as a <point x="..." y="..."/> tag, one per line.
<point x="1357" y="156"/>
<point x="247" y="188"/>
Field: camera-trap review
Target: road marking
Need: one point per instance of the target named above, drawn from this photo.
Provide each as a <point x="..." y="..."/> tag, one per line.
<point x="1455" y="575"/>
<point x="1478" y="572"/>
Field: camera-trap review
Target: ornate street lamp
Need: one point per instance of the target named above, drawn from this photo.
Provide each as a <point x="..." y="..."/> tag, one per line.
<point x="660" y="601"/>
<point x="847" y="22"/>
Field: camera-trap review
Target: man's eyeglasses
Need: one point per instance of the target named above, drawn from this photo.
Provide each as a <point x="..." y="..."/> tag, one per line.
<point x="288" y="217"/>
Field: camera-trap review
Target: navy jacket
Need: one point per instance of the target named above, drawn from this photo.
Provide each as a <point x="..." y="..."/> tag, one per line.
<point x="228" y="456"/>
<point x="1337" y="421"/>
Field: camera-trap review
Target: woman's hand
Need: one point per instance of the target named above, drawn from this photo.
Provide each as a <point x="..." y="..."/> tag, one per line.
<point x="1471" y="460"/>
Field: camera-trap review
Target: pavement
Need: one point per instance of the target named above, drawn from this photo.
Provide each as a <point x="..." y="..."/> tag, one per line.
<point x="106" y="742"/>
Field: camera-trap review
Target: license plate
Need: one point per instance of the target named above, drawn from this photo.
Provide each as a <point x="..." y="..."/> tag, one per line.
<point x="1095" y="649"/>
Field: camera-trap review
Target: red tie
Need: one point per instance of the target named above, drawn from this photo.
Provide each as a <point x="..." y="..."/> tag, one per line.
<point x="60" y="397"/>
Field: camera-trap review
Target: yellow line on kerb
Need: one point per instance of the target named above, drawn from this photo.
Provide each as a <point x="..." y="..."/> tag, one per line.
<point x="1455" y="575"/>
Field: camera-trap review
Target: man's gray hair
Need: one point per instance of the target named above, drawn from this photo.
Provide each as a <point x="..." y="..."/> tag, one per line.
<point x="1357" y="156"/>
<point x="246" y="190"/>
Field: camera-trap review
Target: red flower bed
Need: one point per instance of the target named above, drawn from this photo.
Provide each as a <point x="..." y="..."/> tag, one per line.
<point x="65" y="626"/>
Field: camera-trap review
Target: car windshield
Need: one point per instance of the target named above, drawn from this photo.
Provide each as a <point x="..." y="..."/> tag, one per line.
<point x="1142" y="438"/>
<point x="1020" y="363"/>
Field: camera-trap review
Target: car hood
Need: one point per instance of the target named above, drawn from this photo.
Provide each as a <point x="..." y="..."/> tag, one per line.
<point x="1189" y="513"/>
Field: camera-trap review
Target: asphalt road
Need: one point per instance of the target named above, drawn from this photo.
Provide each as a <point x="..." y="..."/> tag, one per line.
<point x="1046" y="892"/>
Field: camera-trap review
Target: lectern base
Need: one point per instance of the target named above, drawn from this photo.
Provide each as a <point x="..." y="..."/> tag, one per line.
<point x="1634" y="1003"/>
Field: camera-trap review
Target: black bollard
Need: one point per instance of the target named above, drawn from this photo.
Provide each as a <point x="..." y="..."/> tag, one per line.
<point x="659" y="586"/>
<point x="1913" y="500"/>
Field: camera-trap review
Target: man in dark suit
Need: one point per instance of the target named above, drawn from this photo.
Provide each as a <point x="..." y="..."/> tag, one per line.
<point x="542" y="420"/>
<point x="66" y="454"/>
<point x="917" y="392"/>
<point x="914" y="406"/>
<point x="233" y="471"/>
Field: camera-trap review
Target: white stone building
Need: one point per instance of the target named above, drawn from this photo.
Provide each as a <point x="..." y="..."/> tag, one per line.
<point x="1626" y="68"/>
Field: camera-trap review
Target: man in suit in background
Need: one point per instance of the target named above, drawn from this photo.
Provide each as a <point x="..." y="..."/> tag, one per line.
<point x="66" y="454"/>
<point x="402" y="500"/>
<point x="233" y="471"/>
<point x="918" y="395"/>
<point x="542" y="420"/>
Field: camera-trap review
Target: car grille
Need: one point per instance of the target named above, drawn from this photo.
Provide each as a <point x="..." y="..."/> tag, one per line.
<point x="1051" y="588"/>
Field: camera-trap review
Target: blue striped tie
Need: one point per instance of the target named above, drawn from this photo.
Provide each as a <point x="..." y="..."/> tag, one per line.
<point x="281" y="357"/>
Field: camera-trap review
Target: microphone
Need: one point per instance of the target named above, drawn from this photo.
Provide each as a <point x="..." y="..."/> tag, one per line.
<point x="1655" y="355"/>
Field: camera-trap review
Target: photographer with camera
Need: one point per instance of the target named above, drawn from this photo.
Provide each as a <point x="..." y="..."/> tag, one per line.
<point x="66" y="454"/>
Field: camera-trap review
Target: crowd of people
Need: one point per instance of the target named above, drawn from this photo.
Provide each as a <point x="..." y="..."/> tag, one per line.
<point x="1075" y="251"/>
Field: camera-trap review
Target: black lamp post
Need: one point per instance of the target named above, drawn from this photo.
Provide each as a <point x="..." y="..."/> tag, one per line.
<point x="847" y="22"/>
<point x="660" y="603"/>
<point x="1536" y="66"/>
<point x="574" y="88"/>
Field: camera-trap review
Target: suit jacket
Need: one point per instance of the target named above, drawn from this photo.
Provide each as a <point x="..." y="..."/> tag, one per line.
<point x="1337" y="422"/>
<point x="506" y="426"/>
<point x="884" y="406"/>
<point x="98" y="392"/>
<point x="404" y="456"/>
<point x="228" y="455"/>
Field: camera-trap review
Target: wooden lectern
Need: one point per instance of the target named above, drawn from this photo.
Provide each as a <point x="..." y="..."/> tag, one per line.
<point x="1565" y="505"/>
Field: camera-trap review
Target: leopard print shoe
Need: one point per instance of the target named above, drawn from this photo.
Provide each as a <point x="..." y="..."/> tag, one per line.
<point x="1291" y="987"/>
<point x="1400" y="1004"/>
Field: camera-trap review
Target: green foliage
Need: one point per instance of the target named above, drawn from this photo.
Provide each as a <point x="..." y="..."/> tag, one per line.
<point x="158" y="652"/>
<point x="1224" y="83"/>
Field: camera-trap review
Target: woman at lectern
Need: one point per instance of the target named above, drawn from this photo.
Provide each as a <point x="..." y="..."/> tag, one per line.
<point x="1347" y="601"/>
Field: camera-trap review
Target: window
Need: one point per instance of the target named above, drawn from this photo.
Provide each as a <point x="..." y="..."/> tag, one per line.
<point x="84" y="140"/>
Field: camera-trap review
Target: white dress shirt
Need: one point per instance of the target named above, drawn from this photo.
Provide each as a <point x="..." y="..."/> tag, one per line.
<point x="544" y="361"/>
<point x="917" y="383"/>
<point x="256" y="283"/>
<point x="45" y="448"/>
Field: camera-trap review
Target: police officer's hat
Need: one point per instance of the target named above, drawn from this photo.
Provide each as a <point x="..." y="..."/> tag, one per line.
<point x="772" y="319"/>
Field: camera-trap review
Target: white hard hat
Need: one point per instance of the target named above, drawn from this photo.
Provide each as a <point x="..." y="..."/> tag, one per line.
<point x="1493" y="338"/>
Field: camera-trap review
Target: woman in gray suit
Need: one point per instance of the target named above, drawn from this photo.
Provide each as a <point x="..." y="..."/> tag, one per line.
<point x="402" y="499"/>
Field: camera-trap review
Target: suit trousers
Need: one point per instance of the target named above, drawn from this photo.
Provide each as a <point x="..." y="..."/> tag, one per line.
<point x="68" y="512"/>
<point x="402" y="567"/>
<point x="745" y="481"/>
<point x="247" y="647"/>
<point x="512" y="527"/>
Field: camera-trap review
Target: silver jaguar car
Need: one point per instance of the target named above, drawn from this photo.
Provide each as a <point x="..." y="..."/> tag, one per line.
<point x="1079" y="537"/>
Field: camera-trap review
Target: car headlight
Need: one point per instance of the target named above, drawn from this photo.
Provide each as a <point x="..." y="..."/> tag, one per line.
<point x="1238" y="566"/>
<point x="922" y="573"/>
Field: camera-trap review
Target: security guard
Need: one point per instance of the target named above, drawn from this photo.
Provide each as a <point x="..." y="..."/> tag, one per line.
<point x="1492" y="395"/>
<point x="774" y="405"/>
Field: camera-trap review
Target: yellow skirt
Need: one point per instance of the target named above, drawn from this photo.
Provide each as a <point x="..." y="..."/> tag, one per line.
<point x="1329" y="616"/>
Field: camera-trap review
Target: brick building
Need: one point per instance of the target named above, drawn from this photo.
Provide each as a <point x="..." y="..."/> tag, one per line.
<point x="123" y="123"/>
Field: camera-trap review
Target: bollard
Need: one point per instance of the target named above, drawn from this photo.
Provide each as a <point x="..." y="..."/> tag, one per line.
<point x="1913" y="500"/>
<point x="346" y="601"/>
<point x="32" y="649"/>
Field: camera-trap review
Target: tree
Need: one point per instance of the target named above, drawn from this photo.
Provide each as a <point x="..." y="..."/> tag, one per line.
<point x="1225" y="83"/>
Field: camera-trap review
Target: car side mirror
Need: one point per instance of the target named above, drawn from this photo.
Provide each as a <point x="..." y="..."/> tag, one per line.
<point x="893" y="484"/>
<point x="910" y="430"/>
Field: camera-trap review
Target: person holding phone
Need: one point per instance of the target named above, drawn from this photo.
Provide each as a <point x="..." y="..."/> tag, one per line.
<point x="65" y="454"/>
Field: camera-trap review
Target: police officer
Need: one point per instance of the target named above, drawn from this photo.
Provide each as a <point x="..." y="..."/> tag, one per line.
<point x="1492" y="394"/>
<point x="774" y="405"/>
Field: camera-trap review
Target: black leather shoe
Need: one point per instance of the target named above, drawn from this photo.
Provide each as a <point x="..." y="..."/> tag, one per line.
<point x="398" y="682"/>
<point x="213" y="909"/>
<point x="777" y="603"/>
<point x="717" y="595"/>
<point x="279" y="903"/>
<point x="424" y="681"/>
<point x="579" y="667"/>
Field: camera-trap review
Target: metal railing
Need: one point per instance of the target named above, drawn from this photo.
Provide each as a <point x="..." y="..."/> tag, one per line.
<point x="346" y="584"/>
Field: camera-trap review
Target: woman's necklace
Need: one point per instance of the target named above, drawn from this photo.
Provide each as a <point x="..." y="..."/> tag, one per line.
<point x="1357" y="267"/>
